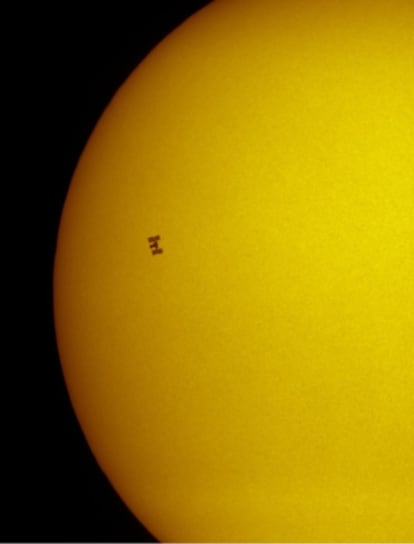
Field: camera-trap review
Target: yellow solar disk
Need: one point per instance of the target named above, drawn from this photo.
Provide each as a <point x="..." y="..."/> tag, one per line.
<point x="234" y="276"/>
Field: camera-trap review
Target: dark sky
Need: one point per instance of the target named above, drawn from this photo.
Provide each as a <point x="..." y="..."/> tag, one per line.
<point x="66" y="64"/>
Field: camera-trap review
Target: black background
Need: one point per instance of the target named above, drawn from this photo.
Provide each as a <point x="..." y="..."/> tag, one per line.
<point x="65" y="64"/>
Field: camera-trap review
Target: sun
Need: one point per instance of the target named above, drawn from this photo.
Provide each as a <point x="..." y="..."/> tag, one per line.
<point x="234" y="277"/>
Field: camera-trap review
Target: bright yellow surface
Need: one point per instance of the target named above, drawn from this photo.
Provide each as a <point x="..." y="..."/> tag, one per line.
<point x="255" y="380"/>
